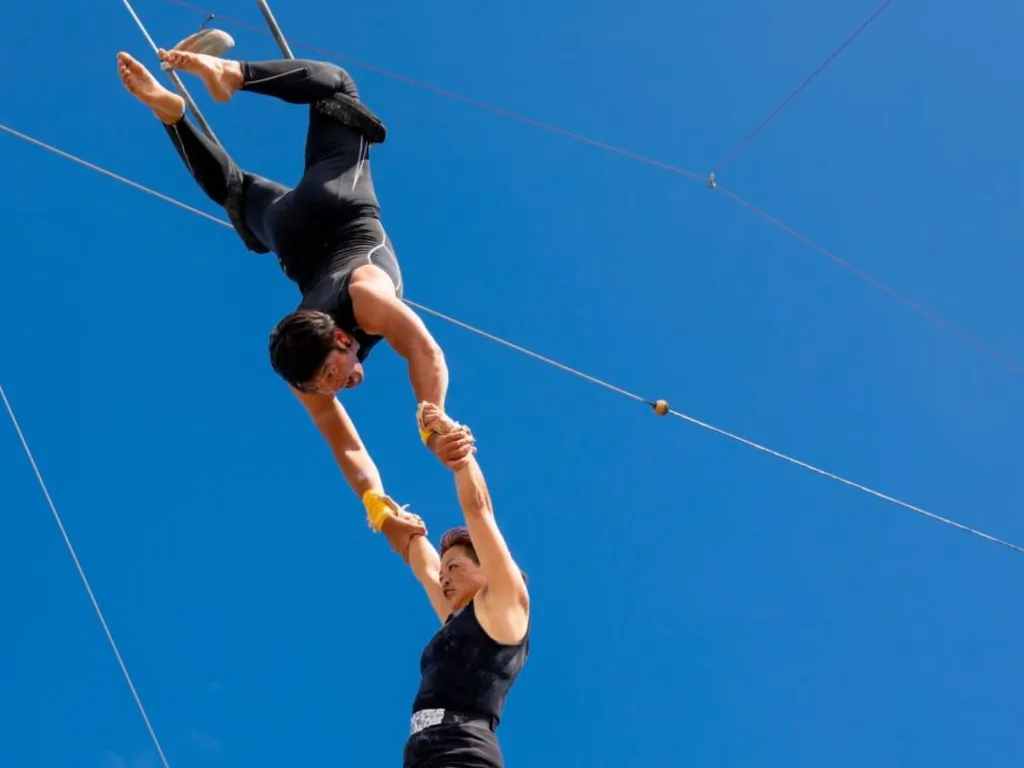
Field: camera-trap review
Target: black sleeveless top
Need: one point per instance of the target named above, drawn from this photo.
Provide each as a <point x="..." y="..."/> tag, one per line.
<point x="325" y="284"/>
<point x="465" y="670"/>
<point x="330" y="294"/>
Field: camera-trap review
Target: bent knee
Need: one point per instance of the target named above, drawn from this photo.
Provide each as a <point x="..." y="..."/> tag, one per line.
<point x="341" y="80"/>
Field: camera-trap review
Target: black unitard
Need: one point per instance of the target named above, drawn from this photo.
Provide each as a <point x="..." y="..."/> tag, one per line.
<point x="466" y="677"/>
<point x="329" y="224"/>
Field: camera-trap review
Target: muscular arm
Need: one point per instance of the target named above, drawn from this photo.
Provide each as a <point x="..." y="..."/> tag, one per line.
<point x="361" y="473"/>
<point x="506" y="586"/>
<point x="381" y="313"/>
<point x="426" y="567"/>
<point x="347" y="447"/>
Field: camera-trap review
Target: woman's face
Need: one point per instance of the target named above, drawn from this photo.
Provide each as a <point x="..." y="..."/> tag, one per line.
<point x="461" y="576"/>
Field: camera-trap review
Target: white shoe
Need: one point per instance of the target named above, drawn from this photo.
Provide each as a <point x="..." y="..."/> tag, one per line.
<point x="213" y="42"/>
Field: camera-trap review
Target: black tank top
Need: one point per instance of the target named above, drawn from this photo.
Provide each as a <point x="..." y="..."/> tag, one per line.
<point x="330" y="294"/>
<point x="465" y="670"/>
<point x="327" y="286"/>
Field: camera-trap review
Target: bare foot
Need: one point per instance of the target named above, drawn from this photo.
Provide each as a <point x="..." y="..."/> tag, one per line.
<point x="221" y="76"/>
<point x="169" y="107"/>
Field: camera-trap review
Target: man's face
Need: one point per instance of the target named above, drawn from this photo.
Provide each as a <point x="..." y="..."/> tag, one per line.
<point x="341" y="370"/>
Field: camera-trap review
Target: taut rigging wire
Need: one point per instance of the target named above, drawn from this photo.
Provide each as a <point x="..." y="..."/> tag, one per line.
<point x="659" y="406"/>
<point x="711" y="180"/>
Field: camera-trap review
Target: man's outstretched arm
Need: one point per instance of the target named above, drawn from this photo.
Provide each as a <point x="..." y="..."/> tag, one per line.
<point x="360" y="470"/>
<point x="381" y="313"/>
<point x="341" y="435"/>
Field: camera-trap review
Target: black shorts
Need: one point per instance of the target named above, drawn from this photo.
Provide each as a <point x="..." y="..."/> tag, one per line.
<point x="456" y="745"/>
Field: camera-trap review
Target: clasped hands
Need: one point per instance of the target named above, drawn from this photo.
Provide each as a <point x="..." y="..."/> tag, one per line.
<point x="451" y="442"/>
<point x="454" y="445"/>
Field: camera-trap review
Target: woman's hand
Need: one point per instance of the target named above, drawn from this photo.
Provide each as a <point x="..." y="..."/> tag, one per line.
<point x="451" y="442"/>
<point x="454" y="449"/>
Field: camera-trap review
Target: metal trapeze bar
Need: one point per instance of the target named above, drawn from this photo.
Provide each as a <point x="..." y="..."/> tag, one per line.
<point x="180" y="86"/>
<point x="275" y="29"/>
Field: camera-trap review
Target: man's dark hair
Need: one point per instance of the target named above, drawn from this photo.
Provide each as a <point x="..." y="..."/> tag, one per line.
<point x="299" y="345"/>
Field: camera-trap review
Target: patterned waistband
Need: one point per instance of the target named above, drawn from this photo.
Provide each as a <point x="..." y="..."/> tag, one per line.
<point x="427" y="718"/>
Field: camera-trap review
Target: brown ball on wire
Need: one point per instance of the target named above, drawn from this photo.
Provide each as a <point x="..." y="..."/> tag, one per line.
<point x="661" y="407"/>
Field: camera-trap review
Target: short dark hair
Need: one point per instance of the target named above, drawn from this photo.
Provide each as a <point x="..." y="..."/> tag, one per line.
<point x="300" y="343"/>
<point x="459" y="537"/>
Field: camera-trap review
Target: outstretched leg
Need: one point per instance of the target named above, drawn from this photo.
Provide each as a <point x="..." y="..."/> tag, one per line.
<point x="207" y="162"/>
<point x="296" y="81"/>
<point x="339" y="152"/>
<point x="168" y="107"/>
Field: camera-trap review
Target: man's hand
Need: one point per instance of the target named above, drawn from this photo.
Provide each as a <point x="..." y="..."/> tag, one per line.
<point x="399" y="529"/>
<point x="451" y="442"/>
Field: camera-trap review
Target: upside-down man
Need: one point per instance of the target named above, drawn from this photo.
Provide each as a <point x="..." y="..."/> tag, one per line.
<point x="326" y="233"/>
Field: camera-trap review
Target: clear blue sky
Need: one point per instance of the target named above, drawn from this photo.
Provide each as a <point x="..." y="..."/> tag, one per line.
<point x="696" y="603"/>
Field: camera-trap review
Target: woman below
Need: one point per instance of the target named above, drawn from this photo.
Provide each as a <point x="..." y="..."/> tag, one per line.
<point x="480" y="595"/>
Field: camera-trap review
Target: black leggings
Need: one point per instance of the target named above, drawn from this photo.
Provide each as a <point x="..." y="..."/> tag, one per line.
<point x="465" y="745"/>
<point x="335" y="188"/>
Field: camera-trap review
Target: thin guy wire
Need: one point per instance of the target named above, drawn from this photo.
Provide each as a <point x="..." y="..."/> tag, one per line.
<point x="927" y="314"/>
<point x="454" y="96"/>
<point x="110" y="174"/>
<point x="81" y="574"/>
<point x="606" y="385"/>
<point x="741" y="145"/>
<point x="858" y="273"/>
<point x="529" y="352"/>
<point x="717" y="430"/>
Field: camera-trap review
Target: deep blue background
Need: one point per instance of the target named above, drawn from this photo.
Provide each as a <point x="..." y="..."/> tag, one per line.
<point x="696" y="603"/>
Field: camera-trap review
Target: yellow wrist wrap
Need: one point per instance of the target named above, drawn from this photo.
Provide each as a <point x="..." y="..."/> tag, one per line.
<point x="377" y="509"/>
